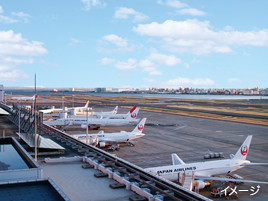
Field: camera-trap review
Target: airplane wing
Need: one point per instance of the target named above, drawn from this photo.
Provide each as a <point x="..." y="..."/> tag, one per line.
<point x="246" y="164"/>
<point x="228" y="179"/>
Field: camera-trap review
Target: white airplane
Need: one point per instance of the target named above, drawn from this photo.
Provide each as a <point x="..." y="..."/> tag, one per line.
<point x="106" y="114"/>
<point x="81" y="109"/>
<point x="133" y="113"/>
<point x="23" y="98"/>
<point x="205" y="171"/>
<point x="103" y="139"/>
<point x="59" y="110"/>
<point x="97" y="122"/>
<point x="112" y="115"/>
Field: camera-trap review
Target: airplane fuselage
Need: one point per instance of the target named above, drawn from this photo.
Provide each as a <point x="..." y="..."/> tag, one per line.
<point x="110" y="137"/>
<point x="205" y="169"/>
<point x="91" y="121"/>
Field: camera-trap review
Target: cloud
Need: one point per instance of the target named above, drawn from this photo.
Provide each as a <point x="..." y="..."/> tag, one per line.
<point x="192" y="11"/>
<point x="13" y="61"/>
<point x="168" y="60"/>
<point x="24" y="16"/>
<point x="172" y="3"/>
<point x="88" y="4"/>
<point x="116" y="40"/>
<point x="74" y="41"/>
<point x="198" y="37"/>
<point x="126" y="13"/>
<point x="149" y="67"/>
<point x="152" y="71"/>
<point x="146" y="63"/>
<point x="12" y="76"/>
<point x="232" y="80"/>
<point x="106" y="61"/>
<point x="14" y="51"/>
<point x="112" y="43"/>
<point x="7" y="20"/>
<point x="12" y="44"/>
<point x="128" y="65"/>
<point x="196" y="61"/>
<point x="182" y="8"/>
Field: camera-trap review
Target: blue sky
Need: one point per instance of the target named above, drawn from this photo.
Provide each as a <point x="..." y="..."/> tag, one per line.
<point x="127" y="43"/>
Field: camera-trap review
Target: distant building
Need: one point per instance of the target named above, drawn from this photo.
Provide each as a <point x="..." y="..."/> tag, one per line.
<point x="265" y="92"/>
<point x="100" y="90"/>
<point x="111" y="90"/>
<point x="126" y="90"/>
<point x="247" y="92"/>
<point x="1" y="93"/>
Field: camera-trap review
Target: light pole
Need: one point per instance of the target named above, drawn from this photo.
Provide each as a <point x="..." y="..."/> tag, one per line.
<point x="35" y="126"/>
<point x="87" y="128"/>
<point x="19" y="122"/>
<point x="62" y="101"/>
<point x="73" y="101"/>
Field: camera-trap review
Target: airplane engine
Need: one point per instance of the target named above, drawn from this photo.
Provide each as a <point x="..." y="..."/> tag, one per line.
<point x="83" y="126"/>
<point x="102" y="144"/>
<point x="202" y="184"/>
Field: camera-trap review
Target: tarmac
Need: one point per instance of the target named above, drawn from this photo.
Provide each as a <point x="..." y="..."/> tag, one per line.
<point x="191" y="138"/>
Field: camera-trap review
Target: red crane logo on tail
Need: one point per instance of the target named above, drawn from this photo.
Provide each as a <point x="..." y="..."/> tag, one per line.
<point x="133" y="115"/>
<point x="244" y="150"/>
<point x="140" y="127"/>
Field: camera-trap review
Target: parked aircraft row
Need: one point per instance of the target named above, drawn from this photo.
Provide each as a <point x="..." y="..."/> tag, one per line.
<point x="85" y="110"/>
<point x="56" y="111"/>
<point x="109" y="119"/>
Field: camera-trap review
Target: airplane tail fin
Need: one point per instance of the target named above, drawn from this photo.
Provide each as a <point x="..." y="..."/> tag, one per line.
<point x="134" y="113"/>
<point x="132" y="109"/>
<point x="87" y="104"/>
<point x="101" y="132"/>
<point x="140" y="126"/>
<point x="176" y="160"/>
<point x="242" y="152"/>
<point x="115" y="110"/>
